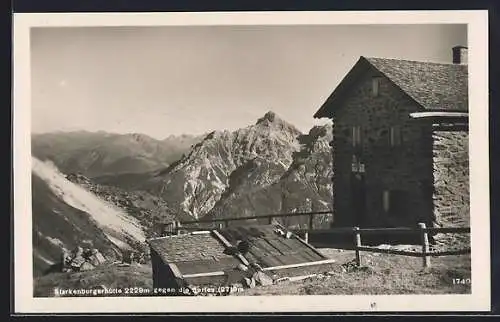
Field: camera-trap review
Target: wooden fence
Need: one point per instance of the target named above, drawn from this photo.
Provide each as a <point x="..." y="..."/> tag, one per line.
<point x="424" y="231"/>
<point x="192" y="225"/>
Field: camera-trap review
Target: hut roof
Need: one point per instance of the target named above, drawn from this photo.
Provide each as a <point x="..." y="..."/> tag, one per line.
<point x="433" y="86"/>
<point x="211" y="257"/>
<point x="193" y="253"/>
<point x="268" y="248"/>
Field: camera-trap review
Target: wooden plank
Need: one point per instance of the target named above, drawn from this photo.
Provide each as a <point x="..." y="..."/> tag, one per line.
<point x="272" y="268"/>
<point x="224" y="241"/>
<point x="292" y="259"/>
<point x="265" y="248"/>
<point x="175" y="270"/>
<point x="309" y="255"/>
<point x="269" y="261"/>
<point x="322" y="262"/>
<point x="219" y="273"/>
<point x="309" y="246"/>
<point x="227" y="244"/>
<point x="280" y="246"/>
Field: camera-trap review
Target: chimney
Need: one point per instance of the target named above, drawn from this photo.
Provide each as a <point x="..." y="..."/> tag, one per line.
<point x="460" y="55"/>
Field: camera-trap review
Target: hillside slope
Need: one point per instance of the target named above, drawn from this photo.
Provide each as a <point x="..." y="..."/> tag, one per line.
<point x="148" y="209"/>
<point x="65" y="214"/>
<point x="58" y="226"/>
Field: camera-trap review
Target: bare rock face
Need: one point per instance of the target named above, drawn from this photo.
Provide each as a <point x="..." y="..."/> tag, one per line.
<point x="266" y="188"/>
<point x="260" y="154"/>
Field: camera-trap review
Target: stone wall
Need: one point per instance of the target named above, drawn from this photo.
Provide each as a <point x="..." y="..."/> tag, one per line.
<point x="406" y="168"/>
<point x="451" y="178"/>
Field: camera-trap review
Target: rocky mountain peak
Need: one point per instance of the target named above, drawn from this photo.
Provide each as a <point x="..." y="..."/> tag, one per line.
<point x="321" y="131"/>
<point x="271" y="120"/>
<point x="270" y="116"/>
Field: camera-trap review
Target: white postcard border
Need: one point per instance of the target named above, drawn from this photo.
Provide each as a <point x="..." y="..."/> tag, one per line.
<point x="479" y="300"/>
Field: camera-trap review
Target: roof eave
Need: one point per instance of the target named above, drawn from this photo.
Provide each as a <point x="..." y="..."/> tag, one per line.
<point x="326" y="109"/>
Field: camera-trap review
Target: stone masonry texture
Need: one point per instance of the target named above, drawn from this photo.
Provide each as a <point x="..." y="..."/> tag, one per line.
<point x="451" y="178"/>
<point x="428" y="169"/>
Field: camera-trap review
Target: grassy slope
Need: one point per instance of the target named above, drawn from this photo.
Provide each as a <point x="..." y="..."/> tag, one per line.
<point x="385" y="274"/>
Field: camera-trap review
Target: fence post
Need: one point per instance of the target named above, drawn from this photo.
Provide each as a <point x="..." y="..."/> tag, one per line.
<point x="311" y="218"/>
<point x="271" y="220"/>
<point x="425" y="245"/>
<point x="178" y="224"/>
<point x="226" y="223"/>
<point x="306" y="236"/>
<point x="357" y="244"/>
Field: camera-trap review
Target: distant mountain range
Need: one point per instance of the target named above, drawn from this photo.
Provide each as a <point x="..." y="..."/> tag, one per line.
<point x="112" y="187"/>
<point x="99" y="153"/>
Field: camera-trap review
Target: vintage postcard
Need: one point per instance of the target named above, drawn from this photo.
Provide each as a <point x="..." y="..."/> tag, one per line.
<point x="251" y="162"/>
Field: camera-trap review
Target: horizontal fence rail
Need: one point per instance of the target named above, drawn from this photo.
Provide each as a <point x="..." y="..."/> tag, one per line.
<point x="269" y="216"/>
<point x="179" y="227"/>
<point x="176" y="227"/>
<point x="398" y="230"/>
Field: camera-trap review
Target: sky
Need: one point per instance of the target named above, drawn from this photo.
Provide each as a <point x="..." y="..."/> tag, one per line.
<point x="174" y="80"/>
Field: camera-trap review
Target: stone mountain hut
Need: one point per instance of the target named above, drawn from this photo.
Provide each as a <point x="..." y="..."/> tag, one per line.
<point x="400" y="143"/>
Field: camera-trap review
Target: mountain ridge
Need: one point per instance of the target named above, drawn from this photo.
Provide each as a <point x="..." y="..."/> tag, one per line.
<point x="100" y="153"/>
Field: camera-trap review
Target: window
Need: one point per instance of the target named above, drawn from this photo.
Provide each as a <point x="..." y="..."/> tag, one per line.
<point x="395" y="136"/>
<point x="357" y="165"/>
<point x="375" y="86"/>
<point x="356" y="135"/>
